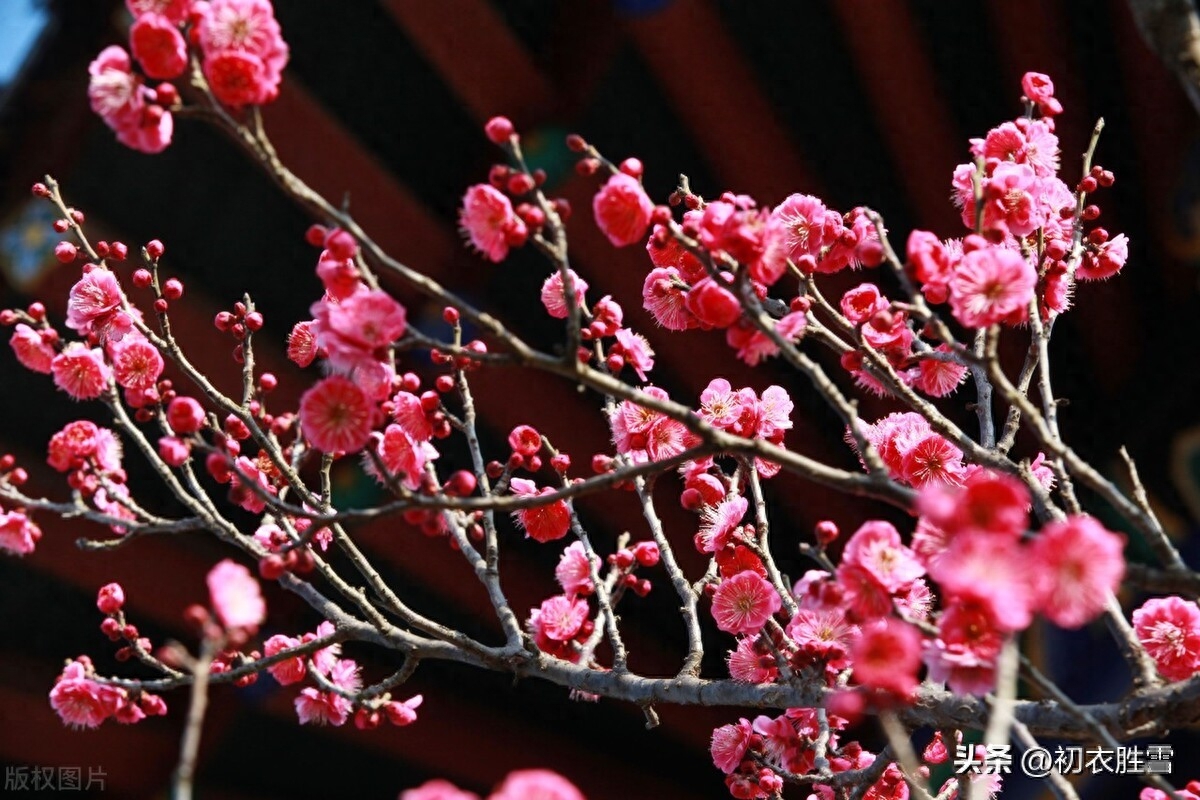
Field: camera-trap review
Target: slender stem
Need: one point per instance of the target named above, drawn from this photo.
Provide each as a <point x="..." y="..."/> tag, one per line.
<point x="189" y="747"/>
<point x="687" y="595"/>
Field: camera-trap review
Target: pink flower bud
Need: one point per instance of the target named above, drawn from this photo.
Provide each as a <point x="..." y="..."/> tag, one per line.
<point x="185" y="415"/>
<point x="499" y="129"/>
<point x="111" y="598"/>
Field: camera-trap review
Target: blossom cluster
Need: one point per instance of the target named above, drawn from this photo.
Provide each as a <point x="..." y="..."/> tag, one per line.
<point x="238" y="44"/>
<point x="934" y="599"/>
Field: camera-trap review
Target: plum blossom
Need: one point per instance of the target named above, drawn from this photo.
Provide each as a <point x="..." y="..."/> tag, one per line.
<point x="119" y="98"/>
<point x="753" y="345"/>
<point x="560" y="617"/>
<point x="437" y="790"/>
<point x="719" y="522"/>
<point x="543" y="523"/>
<point x="744" y="603"/>
<point x="535" y="784"/>
<point x="993" y="571"/>
<point x="989" y="285"/>
<point x="887" y="656"/>
<point x="235" y="596"/>
<point x="18" y="533"/>
<point x="1040" y="90"/>
<point x="136" y="364"/>
<point x="1169" y="629"/>
<point x="622" y="209"/>
<point x="336" y="415"/>
<point x="32" y="348"/>
<point x="244" y="51"/>
<point x="402" y="455"/>
<point x="302" y="343"/>
<point x="291" y="670"/>
<point x="158" y="46"/>
<point x="554" y="293"/>
<point x="664" y="296"/>
<point x="94" y="305"/>
<point x="938" y="377"/>
<point x="488" y="221"/>
<point x="248" y="484"/>
<point x="79" y="700"/>
<point x="328" y="708"/>
<point x="824" y="635"/>
<point x="634" y="350"/>
<point x="1079" y="566"/>
<point x="965" y="652"/>
<point x="729" y="744"/>
<point x="81" y="371"/>
<point x="877" y="548"/>
<point x="573" y="571"/>
<point x="748" y="665"/>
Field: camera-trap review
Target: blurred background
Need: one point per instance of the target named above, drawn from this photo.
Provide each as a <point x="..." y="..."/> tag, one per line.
<point x="859" y="102"/>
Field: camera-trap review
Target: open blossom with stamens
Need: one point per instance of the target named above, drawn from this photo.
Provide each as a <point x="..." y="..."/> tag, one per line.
<point x="554" y="293"/>
<point x="877" y="548"/>
<point x="94" y="306"/>
<point x="560" y="617"/>
<point x="1009" y="201"/>
<point x="81" y="371"/>
<point x="744" y="603"/>
<point x="1169" y="629"/>
<point x="748" y="665"/>
<point x="823" y="634"/>
<point x="636" y="351"/>
<point x="365" y="321"/>
<point x="808" y="226"/>
<point x="720" y="406"/>
<point x="573" y="571"/>
<point x="302" y="343"/>
<point x="336" y="415"/>
<point x="729" y="744"/>
<point x="488" y="221"/>
<point x="291" y="670"/>
<point x="933" y="460"/>
<point x="328" y="708"/>
<point x="938" y="378"/>
<point x="719" y="522"/>
<point x="989" y="285"/>
<point x="80" y="701"/>
<point x="664" y="297"/>
<point x="136" y="363"/>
